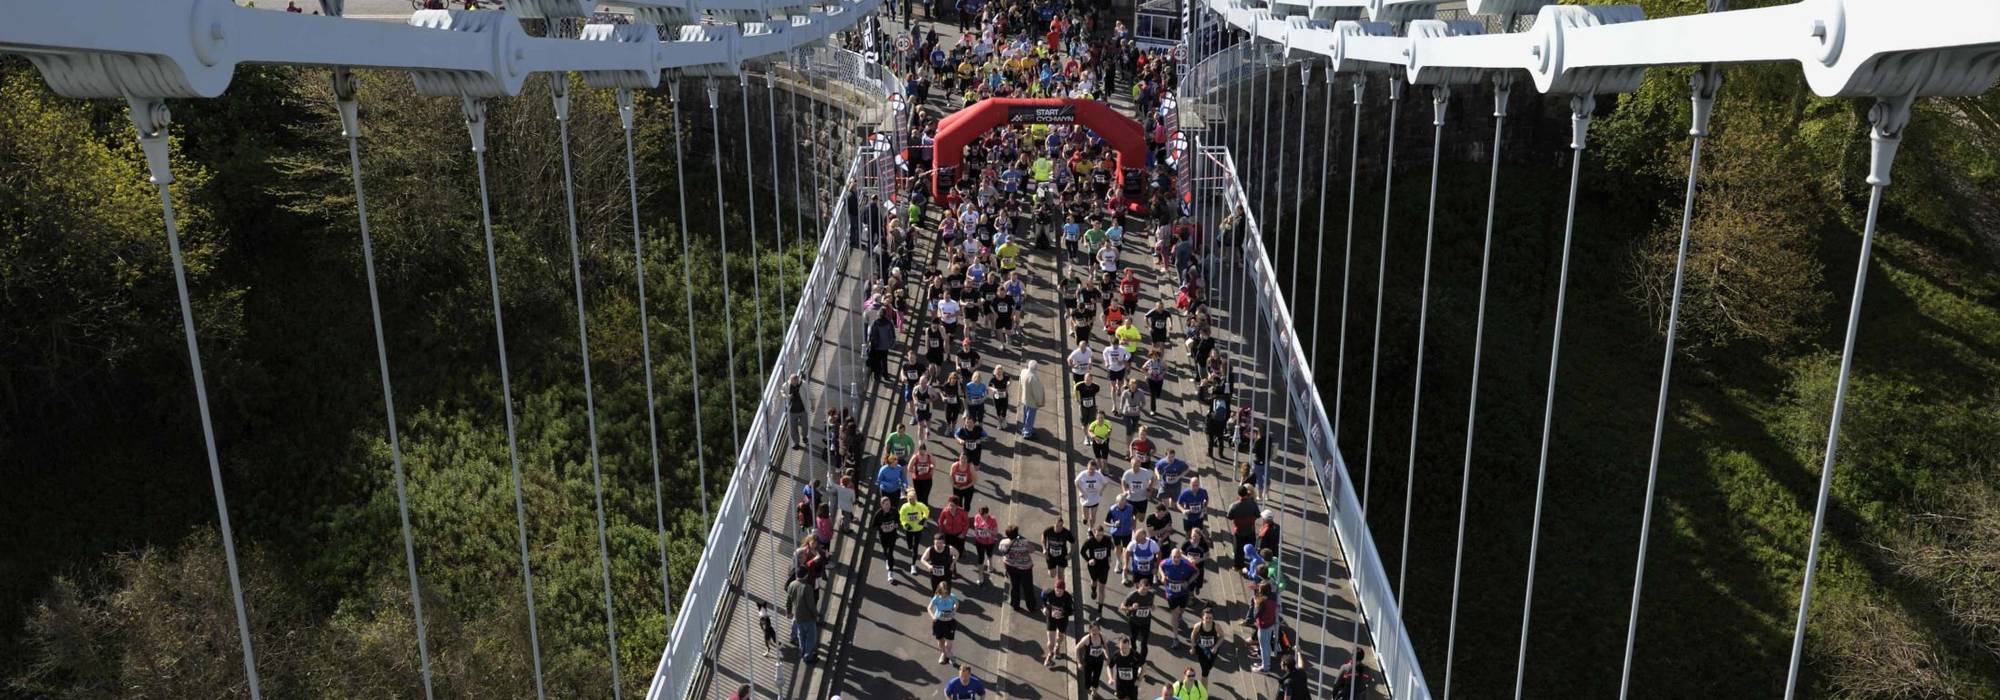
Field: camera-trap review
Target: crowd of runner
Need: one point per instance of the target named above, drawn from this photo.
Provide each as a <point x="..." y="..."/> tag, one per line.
<point x="944" y="324"/>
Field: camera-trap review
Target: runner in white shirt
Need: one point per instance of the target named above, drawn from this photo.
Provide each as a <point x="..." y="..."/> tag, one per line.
<point x="1140" y="484"/>
<point x="1115" y="361"/>
<point x="1090" y="490"/>
<point x="1107" y="258"/>
<point x="1079" y="362"/>
<point x="947" y="311"/>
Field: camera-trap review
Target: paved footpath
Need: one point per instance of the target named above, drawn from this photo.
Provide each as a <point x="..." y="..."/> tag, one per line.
<point x="887" y="651"/>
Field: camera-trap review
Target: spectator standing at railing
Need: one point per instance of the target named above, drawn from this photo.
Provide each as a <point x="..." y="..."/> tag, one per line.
<point x="802" y="603"/>
<point x="1033" y="396"/>
<point x="881" y="338"/>
<point x="795" y="411"/>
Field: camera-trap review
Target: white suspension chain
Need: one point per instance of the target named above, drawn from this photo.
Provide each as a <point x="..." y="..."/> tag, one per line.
<point x="722" y="234"/>
<point x="1502" y="88"/>
<point x="1291" y="405"/>
<point x="559" y="92"/>
<point x="750" y="193"/>
<point x="475" y="122"/>
<point x="344" y="88"/>
<point x="1580" y="107"/>
<point x="798" y="194"/>
<point x="687" y="282"/>
<point x="626" y="119"/>
<point x="1440" y="100"/>
<point x="777" y="211"/>
<point x="1360" y="84"/>
<point x="1887" y="119"/>
<point x="1705" y="83"/>
<point x="1312" y="359"/>
<point x="151" y="117"/>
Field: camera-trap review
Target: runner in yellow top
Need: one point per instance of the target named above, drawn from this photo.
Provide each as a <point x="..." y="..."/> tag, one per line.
<point x="1010" y="254"/>
<point x="1045" y="169"/>
<point x="1100" y="436"/>
<point x="1129" y="335"/>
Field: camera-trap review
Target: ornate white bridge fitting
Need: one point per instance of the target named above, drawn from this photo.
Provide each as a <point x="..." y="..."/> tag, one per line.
<point x="115" y="48"/>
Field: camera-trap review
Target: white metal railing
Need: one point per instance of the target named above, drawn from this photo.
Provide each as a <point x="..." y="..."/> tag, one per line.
<point x="702" y="597"/>
<point x="1372" y="591"/>
<point x="728" y="536"/>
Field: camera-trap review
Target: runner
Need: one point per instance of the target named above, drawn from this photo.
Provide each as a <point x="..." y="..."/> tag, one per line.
<point x="964" y="481"/>
<point x="1197" y="547"/>
<point x="1099" y="433"/>
<point x="953" y="523"/>
<point x="1193" y="503"/>
<point x="940" y="561"/>
<point x="890" y="480"/>
<point x="1189" y="687"/>
<point x="1141" y="556"/>
<point x="1156" y="378"/>
<point x="1177" y="575"/>
<point x="944" y="620"/>
<point x="1001" y="383"/>
<point x="964" y="686"/>
<point x="976" y="394"/>
<point x="1206" y="638"/>
<point x="1057" y="607"/>
<point x="885" y="524"/>
<point x="1119" y="517"/>
<point x="1056" y="542"/>
<point x="1092" y="652"/>
<point x="1089" y="489"/>
<point x="1138" y="610"/>
<point x="971" y="437"/>
<point x="1170" y="469"/>
<point x="1127" y="665"/>
<point x="985" y="539"/>
<point x="912" y="518"/>
<point x="922" y="471"/>
<point x="899" y="444"/>
<point x="1097" y="549"/>
<point x="1140" y="484"/>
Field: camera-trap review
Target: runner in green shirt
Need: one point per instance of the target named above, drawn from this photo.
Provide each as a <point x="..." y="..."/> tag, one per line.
<point x="1093" y="236"/>
<point x="899" y="444"/>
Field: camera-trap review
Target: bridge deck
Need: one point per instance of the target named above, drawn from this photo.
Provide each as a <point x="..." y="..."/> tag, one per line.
<point x="875" y="635"/>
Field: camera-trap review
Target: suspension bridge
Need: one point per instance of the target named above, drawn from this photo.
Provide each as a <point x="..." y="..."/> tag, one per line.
<point x="1231" y="56"/>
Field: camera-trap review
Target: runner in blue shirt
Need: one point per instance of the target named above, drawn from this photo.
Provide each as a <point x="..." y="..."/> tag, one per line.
<point x="1176" y="578"/>
<point x="1010" y="180"/>
<point x="891" y="479"/>
<point x="1120" y="520"/>
<point x="965" y="686"/>
<point x="1170" y="468"/>
<point x="1194" y="504"/>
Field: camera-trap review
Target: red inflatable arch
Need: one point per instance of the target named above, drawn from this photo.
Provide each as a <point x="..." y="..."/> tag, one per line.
<point x="960" y="128"/>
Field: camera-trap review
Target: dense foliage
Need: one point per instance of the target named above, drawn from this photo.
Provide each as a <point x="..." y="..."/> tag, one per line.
<point x="114" y="582"/>
<point x="1908" y="588"/>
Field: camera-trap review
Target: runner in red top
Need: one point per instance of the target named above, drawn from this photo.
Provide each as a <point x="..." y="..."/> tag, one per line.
<point x="964" y="477"/>
<point x="953" y="522"/>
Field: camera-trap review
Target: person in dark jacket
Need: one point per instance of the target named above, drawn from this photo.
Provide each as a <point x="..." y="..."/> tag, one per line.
<point x="881" y="337"/>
